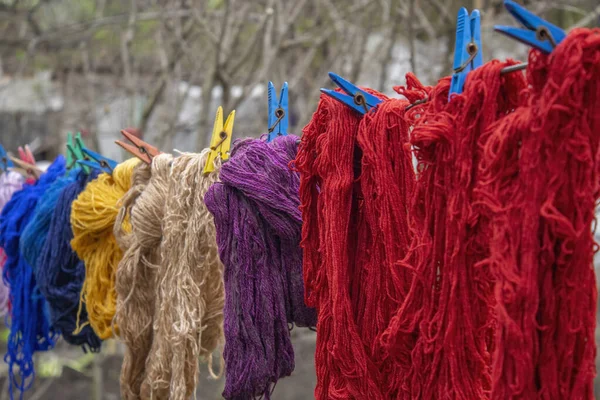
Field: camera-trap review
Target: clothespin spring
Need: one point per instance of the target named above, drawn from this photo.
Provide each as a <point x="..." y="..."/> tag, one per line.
<point x="104" y="164"/>
<point x="280" y="113"/>
<point x="223" y="136"/>
<point x="472" y="49"/>
<point x="360" y="100"/>
<point x="542" y="33"/>
<point x="143" y="150"/>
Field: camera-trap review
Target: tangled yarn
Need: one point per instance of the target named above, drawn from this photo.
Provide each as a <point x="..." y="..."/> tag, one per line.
<point x="540" y="184"/>
<point x="258" y="222"/>
<point x="448" y="317"/>
<point x="135" y="284"/>
<point x="188" y="321"/>
<point x="60" y="273"/>
<point x="332" y="213"/>
<point x="386" y="186"/>
<point x="93" y="216"/>
<point x="30" y="329"/>
<point x="34" y="236"/>
<point x="10" y="182"/>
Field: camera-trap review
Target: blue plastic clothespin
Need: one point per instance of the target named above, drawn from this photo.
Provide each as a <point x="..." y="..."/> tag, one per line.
<point x="278" y="112"/>
<point x="5" y="162"/>
<point x="355" y="98"/>
<point x="468" y="51"/>
<point x="538" y="32"/>
<point x="99" y="161"/>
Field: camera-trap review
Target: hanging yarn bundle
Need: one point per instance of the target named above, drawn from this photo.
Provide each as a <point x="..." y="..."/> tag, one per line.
<point x="189" y="295"/>
<point x="258" y="223"/>
<point x="29" y="323"/>
<point x="541" y="196"/>
<point x="34" y="235"/>
<point x="10" y="182"/>
<point x="448" y="315"/>
<point x="387" y="182"/>
<point x="60" y="273"/>
<point x="93" y="216"/>
<point x="331" y="204"/>
<point x="135" y="284"/>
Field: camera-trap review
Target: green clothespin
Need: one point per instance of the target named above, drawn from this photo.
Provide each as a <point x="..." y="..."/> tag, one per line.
<point x="80" y="146"/>
<point x="71" y="156"/>
<point x="75" y="152"/>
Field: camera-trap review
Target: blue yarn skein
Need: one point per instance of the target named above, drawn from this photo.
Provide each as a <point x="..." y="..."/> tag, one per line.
<point x="34" y="235"/>
<point x="30" y="329"/>
<point x="60" y="273"/>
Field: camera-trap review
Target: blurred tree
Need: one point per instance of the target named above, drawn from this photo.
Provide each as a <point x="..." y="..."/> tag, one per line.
<point x="143" y="46"/>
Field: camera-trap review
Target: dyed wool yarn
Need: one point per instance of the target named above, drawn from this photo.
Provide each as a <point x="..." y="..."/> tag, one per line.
<point x="60" y="273"/>
<point x="135" y="284"/>
<point x="450" y="308"/>
<point x="10" y="182"/>
<point x="30" y="329"/>
<point x="93" y="216"/>
<point x="329" y="163"/>
<point x="386" y="182"/>
<point x="188" y="321"/>
<point x="255" y="207"/>
<point x="34" y="236"/>
<point x="541" y="186"/>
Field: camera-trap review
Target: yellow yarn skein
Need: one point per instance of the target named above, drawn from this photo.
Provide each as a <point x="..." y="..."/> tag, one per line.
<point x="93" y="216"/>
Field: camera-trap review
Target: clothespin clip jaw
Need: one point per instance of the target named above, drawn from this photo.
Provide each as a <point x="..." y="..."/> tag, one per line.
<point x="79" y="151"/>
<point x="97" y="161"/>
<point x="5" y="161"/>
<point x="140" y="149"/>
<point x="538" y="33"/>
<point x="356" y="98"/>
<point x="30" y="169"/>
<point x="79" y="147"/>
<point x="468" y="50"/>
<point x="75" y="152"/>
<point x="220" y="141"/>
<point x="26" y="155"/>
<point x="70" y="153"/>
<point x="278" y="112"/>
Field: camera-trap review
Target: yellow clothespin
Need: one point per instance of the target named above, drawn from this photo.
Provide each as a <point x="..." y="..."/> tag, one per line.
<point x="220" y="141"/>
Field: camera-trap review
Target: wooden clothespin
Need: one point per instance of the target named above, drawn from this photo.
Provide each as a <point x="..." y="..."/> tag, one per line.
<point x="29" y="169"/>
<point x="220" y="141"/>
<point x="140" y="149"/>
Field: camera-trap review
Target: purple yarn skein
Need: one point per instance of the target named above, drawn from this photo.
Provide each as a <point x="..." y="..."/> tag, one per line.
<point x="258" y="221"/>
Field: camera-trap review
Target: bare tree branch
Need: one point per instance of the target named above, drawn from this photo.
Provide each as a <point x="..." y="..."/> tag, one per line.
<point x="585" y="21"/>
